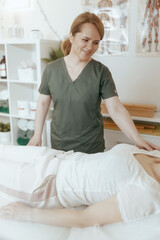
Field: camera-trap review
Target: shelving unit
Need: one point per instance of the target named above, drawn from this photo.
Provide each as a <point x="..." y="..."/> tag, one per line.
<point x="17" y="51"/>
<point x="154" y="119"/>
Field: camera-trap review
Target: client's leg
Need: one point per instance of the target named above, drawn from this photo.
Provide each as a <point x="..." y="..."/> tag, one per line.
<point x="104" y="212"/>
<point x="31" y="182"/>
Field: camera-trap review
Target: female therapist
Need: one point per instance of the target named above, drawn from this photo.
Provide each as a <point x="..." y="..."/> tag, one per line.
<point x="76" y="83"/>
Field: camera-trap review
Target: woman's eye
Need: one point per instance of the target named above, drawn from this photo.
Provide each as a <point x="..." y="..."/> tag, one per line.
<point x="86" y="40"/>
<point x="96" y="43"/>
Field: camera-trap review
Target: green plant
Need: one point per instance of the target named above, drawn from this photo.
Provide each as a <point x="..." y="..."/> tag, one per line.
<point x="54" y="54"/>
<point x="4" y="127"/>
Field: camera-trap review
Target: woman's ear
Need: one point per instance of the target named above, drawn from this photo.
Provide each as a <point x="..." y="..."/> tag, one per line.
<point x="71" y="37"/>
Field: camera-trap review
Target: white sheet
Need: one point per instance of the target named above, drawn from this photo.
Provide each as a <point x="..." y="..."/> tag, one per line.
<point x="145" y="229"/>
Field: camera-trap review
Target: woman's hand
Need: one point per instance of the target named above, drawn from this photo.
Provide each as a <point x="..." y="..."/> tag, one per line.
<point x="15" y="211"/>
<point x="141" y="143"/>
<point x="35" y="141"/>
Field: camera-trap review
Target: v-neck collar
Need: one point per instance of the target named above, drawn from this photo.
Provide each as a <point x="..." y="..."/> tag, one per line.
<point x="81" y="73"/>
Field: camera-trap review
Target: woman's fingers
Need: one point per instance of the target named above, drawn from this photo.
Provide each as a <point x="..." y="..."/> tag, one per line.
<point x="15" y="211"/>
<point x="141" y="143"/>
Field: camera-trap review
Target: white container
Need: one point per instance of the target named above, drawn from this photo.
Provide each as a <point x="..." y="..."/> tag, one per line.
<point x="30" y="125"/>
<point x="26" y="74"/>
<point x="4" y="94"/>
<point x="32" y="108"/>
<point x="23" y="108"/>
<point x="5" y="137"/>
<point x="35" y="34"/>
<point x="22" y="124"/>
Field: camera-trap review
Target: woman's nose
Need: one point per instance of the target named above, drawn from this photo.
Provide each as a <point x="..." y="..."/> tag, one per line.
<point x="89" y="45"/>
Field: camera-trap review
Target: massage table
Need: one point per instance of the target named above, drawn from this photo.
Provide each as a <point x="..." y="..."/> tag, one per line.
<point x="144" y="229"/>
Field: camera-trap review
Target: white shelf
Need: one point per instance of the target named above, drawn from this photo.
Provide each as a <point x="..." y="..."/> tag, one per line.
<point x="16" y="51"/>
<point x="30" y="41"/>
<point x="4" y="114"/>
<point x="154" y="119"/>
<point x="3" y="80"/>
<point x="23" y="82"/>
<point x="22" y="117"/>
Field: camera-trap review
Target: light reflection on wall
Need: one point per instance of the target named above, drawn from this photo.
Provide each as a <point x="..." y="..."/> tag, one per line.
<point x="18" y="4"/>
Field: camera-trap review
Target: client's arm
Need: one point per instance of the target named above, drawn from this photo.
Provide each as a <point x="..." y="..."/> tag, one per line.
<point x="101" y="213"/>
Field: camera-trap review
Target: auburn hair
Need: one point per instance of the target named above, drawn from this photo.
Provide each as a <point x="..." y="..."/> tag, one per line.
<point x="85" y="17"/>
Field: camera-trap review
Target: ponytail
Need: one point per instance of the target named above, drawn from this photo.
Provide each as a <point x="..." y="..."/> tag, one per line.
<point x="66" y="47"/>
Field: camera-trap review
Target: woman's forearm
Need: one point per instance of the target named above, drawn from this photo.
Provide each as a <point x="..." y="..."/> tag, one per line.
<point x="56" y="217"/>
<point x="104" y="212"/>
<point x="124" y="121"/>
<point x="41" y="113"/>
<point x="122" y="118"/>
<point x="39" y="120"/>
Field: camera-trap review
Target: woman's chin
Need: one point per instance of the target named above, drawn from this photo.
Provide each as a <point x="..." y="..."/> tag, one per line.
<point x="85" y="57"/>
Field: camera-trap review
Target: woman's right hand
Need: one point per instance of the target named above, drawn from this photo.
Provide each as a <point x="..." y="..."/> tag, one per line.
<point x="35" y="141"/>
<point x="16" y="211"/>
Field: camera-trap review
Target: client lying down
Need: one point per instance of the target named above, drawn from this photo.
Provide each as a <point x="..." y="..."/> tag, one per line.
<point x="122" y="184"/>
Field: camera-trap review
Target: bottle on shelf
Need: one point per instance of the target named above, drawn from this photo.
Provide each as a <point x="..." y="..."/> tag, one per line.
<point x="3" y="72"/>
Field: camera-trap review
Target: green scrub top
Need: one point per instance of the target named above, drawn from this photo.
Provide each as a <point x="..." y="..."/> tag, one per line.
<point x="77" y="122"/>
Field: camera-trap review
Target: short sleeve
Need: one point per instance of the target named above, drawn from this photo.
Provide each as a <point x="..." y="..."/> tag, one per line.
<point x="136" y="202"/>
<point x="107" y="86"/>
<point x="44" y="89"/>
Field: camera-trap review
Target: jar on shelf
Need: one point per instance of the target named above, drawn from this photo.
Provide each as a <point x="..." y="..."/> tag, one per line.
<point x="35" y="34"/>
<point x="5" y="134"/>
<point x="3" y="72"/>
<point x="4" y="101"/>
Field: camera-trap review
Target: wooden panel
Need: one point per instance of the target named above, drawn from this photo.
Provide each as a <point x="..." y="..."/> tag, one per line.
<point x="141" y="127"/>
<point x="136" y="110"/>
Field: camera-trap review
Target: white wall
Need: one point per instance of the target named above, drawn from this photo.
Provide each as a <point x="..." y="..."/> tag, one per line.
<point x="137" y="78"/>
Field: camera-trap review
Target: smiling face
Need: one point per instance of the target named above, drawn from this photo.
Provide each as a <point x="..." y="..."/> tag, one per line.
<point x="86" y="42"/>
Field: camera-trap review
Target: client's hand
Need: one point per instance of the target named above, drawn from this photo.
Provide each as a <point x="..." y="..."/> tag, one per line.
<point x="15" y="211"/>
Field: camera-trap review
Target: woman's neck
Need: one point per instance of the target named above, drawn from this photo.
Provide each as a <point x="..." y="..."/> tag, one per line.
<point x="74" y="66"/>
<point x="73" y="60"/>
<point x="151" y="165"/>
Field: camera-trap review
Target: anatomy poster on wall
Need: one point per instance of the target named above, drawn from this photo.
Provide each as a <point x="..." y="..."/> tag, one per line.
<point x="115" y="17"/>
<point x="148" y="27"/>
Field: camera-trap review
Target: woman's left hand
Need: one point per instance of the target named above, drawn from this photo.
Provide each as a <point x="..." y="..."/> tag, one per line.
<point x="15" y="211"/>
<point x="141" y="143"/>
